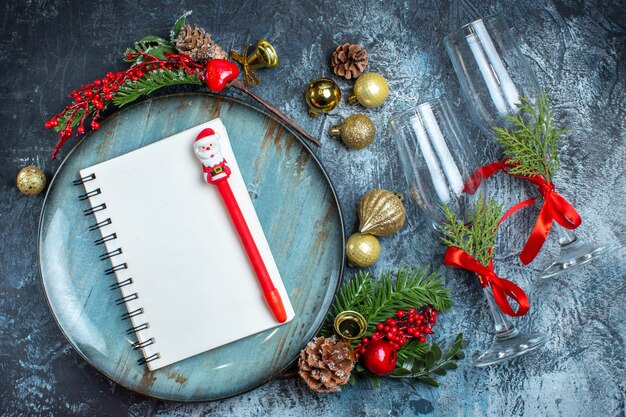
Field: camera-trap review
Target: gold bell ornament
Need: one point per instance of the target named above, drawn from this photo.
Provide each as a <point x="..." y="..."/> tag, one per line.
<point x="371" y="90"/>
<point x="350" y="325"/>
<point x="322" y="96"/>
<point x="381" y="213"/>
<point x="362" y="250"/>
<point x="356" y="132"/>
<point x="31" y="180"/>
<point x="264" y="56"/>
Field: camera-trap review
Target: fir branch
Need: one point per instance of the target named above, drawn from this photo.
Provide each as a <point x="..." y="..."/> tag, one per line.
<point x="477" y="237"/>
<point x="355" y="295"/>
<point x="377" y="301"/>
<point x="151" y="81"/>
<point x="533" y="142"/>
<point x="411" y="289"/>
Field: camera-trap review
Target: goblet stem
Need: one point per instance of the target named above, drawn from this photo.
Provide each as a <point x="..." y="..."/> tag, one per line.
<point x="508" y="341"/>
<point x="566" y="236"/>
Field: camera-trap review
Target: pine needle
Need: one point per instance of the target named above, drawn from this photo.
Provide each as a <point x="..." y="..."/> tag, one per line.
<point x="477" y="237"/>
<point x="533" y="142"/>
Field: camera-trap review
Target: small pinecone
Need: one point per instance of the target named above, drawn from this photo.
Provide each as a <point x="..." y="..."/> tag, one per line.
<point x="326" y="363"/>
<point x="349" y="60"/>
<point x="197" y="43"/>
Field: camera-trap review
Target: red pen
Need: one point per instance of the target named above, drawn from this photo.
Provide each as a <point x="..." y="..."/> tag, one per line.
<point x="216" y="171"/>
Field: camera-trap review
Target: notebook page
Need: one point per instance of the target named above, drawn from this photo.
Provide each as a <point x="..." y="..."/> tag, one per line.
<point x="188" y="267"/>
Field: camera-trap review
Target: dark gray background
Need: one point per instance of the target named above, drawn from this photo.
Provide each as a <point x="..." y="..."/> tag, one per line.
<point x="48" y="48"/>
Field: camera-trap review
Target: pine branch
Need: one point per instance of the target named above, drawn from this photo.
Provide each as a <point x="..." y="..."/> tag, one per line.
<point x="533" y="143"/>
<point x="411" y="289"/>
<point x="377" y="301"/>
<point x="151" y="81"/>
<point x="355" y="295"/>
<point x="477" y="237"/>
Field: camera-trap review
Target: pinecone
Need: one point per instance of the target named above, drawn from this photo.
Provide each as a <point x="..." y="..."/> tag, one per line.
<point x="349" y="60"/>
<point x="197" y="43"/>
<point x="326" y="363"/>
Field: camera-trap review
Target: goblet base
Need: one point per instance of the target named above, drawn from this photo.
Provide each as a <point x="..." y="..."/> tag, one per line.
<point x="509" y="346"/>
<point x="574" y="254"/>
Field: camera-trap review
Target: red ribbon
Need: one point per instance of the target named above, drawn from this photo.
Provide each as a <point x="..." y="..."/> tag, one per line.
<point x="501" y="288"/>
<point x="555" y="206"/>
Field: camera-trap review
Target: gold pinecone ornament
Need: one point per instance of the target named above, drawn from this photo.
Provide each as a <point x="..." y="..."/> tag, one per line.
<point x="326" y="363"/>
<point x="349" y="60"/>
<point x="197" y="43"/>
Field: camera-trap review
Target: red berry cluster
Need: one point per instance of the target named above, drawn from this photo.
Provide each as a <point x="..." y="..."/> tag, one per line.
<point x="407" y="325"/>
<point x="94" y="97"/>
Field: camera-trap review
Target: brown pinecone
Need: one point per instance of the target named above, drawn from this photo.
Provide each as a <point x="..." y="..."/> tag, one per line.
<point x="197" y="43"/>
<point x="349" y="60"/>
<point x="326" y="363"/>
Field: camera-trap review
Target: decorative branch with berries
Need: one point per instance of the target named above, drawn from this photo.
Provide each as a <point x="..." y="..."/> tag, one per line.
<point x="400" y="313"/>
<point x="189" y="57"/>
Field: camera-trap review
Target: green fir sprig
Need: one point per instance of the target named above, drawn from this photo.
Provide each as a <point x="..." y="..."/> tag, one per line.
<point x="476" y="237"/>
<point x="152" y="81"/>
<point x="380" y="299"/>
<point x="533" y="142"/>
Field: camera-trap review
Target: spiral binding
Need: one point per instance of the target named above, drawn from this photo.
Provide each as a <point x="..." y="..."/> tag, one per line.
<point x="115" y="268"/>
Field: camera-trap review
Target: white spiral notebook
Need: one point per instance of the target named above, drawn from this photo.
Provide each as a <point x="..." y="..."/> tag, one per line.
<point x="182" y="271"/>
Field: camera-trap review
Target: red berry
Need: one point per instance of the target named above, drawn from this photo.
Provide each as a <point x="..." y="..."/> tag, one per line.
<point x="400" y="314"/>
<point x="380" y="358"/>
<point x="129" y="56"/>
<point x="375" y="336"/>
<point x="423" y="339"/>
<point x="108" y="96"/>
<point x="365" y="340"/>
<point x="81" y="129"/>
<point x="392" y="322"/>
<point x="54" y="122"/>
<point x="389" y="336"/>
<point x="380" y="326"/>
<point x="114" y="87"/>
<point x="98" y="83"/>
<point x="432" y="320"/>
<point x="95" y="125"/>
<point x="359" y="344"/>
<point x="48" y="125"/>
<point x="386" y="328"/>
<point x="138" y="73"/>
<point x="88" y="94"/>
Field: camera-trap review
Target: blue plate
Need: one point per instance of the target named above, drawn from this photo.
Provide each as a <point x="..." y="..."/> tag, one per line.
<point x="298" y="210"/>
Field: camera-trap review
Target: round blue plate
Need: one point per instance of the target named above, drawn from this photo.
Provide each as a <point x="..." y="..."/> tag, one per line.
<point x="298" y="210"/>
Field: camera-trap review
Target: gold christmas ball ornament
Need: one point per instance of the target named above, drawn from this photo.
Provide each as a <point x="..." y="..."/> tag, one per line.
<point x="356" y="132"/>
<point x="322" y="96"/>
<point x="362" y="250"/>
<point x="31" y="180"/>
<point x="371" y="90"/>
<point x="381" y="213"/>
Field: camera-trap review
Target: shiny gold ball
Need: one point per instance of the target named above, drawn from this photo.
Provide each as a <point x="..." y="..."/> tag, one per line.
<point x="362" y="250"/>
<point x="356" y="132"/>
<point x="381" y="213"/>
<point x="371" y="90"/>
<point x="322" y="95"/>
<point x="31" y="180"/>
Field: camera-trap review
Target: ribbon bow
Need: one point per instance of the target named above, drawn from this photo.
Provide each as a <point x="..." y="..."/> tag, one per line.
<point x="501" y="288"/>
<point x="249" y="77"/>
<point x="555" y="206"/>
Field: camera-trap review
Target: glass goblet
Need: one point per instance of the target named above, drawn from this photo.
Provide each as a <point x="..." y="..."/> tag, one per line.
<point x="491" y="69"/>
<point x="437" y="162"/>
<point x="494" y="74"/>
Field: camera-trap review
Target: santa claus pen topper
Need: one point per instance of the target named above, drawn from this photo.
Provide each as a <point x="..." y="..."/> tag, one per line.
<point x="216" y="171"/>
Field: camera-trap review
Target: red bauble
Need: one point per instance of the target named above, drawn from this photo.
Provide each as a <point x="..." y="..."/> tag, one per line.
<point x="219" y="72"/>
<point x="380" y="358"/>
